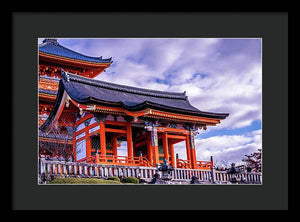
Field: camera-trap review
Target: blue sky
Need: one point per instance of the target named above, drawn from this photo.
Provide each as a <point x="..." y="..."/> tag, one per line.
<point x="218" y="75"/>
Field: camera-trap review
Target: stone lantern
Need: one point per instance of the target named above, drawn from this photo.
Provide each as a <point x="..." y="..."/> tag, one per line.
<point x="232" y="171"/>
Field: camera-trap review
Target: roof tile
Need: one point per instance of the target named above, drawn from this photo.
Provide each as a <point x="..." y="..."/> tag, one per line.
<point x="51" y="46"/>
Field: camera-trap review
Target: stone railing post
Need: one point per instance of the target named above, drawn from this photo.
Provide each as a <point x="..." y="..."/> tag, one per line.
<point x="80" y="169"/>
<point x="85" y="170"/>
<point x="212" y="171"/>
<point x="121" y="172"/>
<point x="115" y="171"/>
<point x="64" y="168"/>
<point x="75" y="168"/>
<point x="101" y="172"/>
<point x="91" y="170"/>
<point x="48" y="167"/>
<point x="53" y="168"/>
<point x="42" y="164"/>
<point x="96" y="171"/>
<point x="58" y="168"/>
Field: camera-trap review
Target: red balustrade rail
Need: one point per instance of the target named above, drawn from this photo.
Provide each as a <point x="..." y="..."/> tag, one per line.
<point x="186" y="164"/>
<point x="204" y="164"/>
<point x="90" y="159"/>
<point x="118" y="160"/>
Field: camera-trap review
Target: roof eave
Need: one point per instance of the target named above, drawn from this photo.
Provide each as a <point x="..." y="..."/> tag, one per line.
<point x="73" y="61"/>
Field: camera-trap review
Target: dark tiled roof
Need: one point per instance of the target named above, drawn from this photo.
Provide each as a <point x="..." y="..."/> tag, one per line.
<point x="51" y="46"/>
<point x="53" y="136"/>
<point x="47" y="91"/>
<point x="90" y="91"/>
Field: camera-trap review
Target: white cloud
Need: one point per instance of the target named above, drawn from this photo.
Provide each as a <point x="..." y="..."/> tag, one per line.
<point x="218" y="75"/>
<point x="224" y="149"/>
<point x="228" y="148"/>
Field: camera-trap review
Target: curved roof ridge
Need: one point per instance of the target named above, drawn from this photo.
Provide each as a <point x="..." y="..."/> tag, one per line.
<point x="54" y="42"/>
<point x="91" y="57"/>
<point x="142" y="91"/>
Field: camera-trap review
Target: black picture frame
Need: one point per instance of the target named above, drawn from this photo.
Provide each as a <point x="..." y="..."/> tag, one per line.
<point x="272" y="27"/>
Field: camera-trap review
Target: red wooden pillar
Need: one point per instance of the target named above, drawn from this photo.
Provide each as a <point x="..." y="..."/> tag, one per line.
<point x="165" y="145"/>
<point x="129" y="141"/>
<point x="155" y="155"/>
<point x="96" y="158"/>
<point x="74" y="146"/>
<point x="154" y="146"/>
<point x="172" y="155"/>
<point x="102" y="138"/>
<point x="188" y="150"/>
<point x="149" y="150"/>
<point x="115" y="146"/>
<point x="193" y="153"/>
<point x="88" y="141"/>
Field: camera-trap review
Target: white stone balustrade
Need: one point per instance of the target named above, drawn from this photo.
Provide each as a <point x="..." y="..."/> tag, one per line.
<point x="102" y="171"/>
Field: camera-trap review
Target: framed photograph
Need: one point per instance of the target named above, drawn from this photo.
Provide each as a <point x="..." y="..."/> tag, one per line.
<point x="146" y="114"/>
<point x="135" y="108"/>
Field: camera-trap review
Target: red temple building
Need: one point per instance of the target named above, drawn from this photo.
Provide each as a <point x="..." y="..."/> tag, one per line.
<point x="52" y="58"/>
<point x="94" y="117"/>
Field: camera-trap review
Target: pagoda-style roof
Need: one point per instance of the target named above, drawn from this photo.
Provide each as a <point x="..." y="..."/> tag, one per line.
<point x="48" y="92"/>
<point x="52" y="47"/>
<point x="92" y="93"/>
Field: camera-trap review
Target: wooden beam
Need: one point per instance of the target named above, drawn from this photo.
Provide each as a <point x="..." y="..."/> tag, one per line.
<point x="174" y="141"/>
<point x="141" y="143"/>
<point x="176" y="137"/>
<point x="88" y="116"/>
<point x="141" y="137"/>
<point x="115" y="130"/>
<point x="116" y="123"/>
<point x="166" y="129"/>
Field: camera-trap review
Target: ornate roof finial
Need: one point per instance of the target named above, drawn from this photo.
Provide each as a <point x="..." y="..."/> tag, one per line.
<point x="65" y="75"/>
<point x="50" y="41"/>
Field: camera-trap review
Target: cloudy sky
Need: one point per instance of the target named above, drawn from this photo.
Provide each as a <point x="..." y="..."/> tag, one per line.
<point x="218" y="75"/>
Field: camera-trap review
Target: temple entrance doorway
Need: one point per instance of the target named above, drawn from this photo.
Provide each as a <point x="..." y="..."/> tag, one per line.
<point x="180" y="151"/>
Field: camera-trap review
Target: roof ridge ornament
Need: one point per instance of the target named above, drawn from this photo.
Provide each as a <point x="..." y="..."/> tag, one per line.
<point x="52" y="41"/>
<point x="65" y="75"/>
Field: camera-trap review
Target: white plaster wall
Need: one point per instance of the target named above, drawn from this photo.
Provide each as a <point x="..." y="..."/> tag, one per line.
<point x="81" y="149"/>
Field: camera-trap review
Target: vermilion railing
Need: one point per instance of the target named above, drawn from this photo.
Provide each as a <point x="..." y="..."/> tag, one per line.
<point x="204" y="164"/>
<point x="118" y="160"/>
<point x="186" y="164"/>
